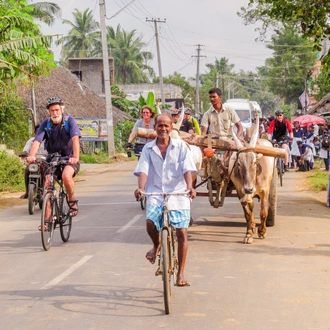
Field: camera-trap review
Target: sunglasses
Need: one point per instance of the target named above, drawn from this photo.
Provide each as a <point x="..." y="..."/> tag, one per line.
<point x="279" y="115"/>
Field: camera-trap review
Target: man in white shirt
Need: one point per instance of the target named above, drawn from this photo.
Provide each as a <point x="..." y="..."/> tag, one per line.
<point x="166" y="165"/>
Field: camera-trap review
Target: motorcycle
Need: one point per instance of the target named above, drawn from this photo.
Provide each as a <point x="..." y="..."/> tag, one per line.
<point x="35" y="188"/>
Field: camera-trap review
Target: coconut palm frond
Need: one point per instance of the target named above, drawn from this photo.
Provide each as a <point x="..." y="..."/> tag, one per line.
<point x="46" y="12"/>
<point x="32" y="42"/>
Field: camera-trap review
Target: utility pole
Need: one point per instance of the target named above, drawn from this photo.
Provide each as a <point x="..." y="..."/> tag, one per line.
<point x="158" y="56"/>
<point x="197" y="79"/>
<point x="106" y="75"/>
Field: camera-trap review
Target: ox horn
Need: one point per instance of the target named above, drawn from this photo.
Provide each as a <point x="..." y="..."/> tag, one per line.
<point x="179" y="123"/>
<point x="255" y="133"/>
<point x="238" y="143"/>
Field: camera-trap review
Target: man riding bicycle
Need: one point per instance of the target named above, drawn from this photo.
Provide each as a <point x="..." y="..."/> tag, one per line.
<point x="166" y="165"/>
<point x="62" y="135"/>
<point x="278" y="131"/>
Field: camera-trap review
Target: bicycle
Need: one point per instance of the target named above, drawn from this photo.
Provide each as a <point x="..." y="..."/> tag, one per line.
<point x="279" y="161"/>
<point x="137" y="148"/>
<point x="36" y="182"/>
<point x="55" y="209"/>
<point x="167" y="257"/>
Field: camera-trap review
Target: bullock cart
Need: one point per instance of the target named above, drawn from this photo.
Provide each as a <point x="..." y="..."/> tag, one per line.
<point x="234" y="168"/>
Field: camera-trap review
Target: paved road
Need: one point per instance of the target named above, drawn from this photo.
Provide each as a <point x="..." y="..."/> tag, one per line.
<point x="100" y="279"/>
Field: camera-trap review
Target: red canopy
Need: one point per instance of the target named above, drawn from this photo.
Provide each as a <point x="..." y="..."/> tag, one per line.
<point x="306" y="120"/>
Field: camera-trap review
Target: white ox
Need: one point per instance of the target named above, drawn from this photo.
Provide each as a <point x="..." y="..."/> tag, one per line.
<point x="252" y="176"/>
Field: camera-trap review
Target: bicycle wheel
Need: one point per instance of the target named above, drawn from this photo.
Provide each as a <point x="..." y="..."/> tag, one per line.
<point x="280" y="171"/>
<point x="165" y="250"/>
<point x="65" y="218"/>
<point x="32" y="193"/>
<point x="48" y="222"/>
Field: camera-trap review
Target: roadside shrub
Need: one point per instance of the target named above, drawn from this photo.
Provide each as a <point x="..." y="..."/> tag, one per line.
<point x="14" y="122"/>
<point x="11" y="173"/>
<point x="122" y="132"/>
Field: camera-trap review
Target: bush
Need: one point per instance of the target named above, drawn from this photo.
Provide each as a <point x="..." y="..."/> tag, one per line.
<point x="14" y="122"/>
<point x="122" y="133"/>
<point x="11" y="173"/>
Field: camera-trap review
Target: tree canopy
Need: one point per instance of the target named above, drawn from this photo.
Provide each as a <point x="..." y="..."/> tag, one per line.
<point x="289" y="67"/>
<point x="312" y="17"/>
<point x="82" y="37"/>
<point x="130" y="59"/>
<point x="23" y="50"/>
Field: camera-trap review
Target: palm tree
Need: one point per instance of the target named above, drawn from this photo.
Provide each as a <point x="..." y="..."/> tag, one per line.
<point x="45" y="11"/>
<point x="130" y="61"/>
<point x="82" y="37"/>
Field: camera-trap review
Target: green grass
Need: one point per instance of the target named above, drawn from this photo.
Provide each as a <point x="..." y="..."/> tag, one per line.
<point x="103" y="158"/>
<point x="318" y="180"/>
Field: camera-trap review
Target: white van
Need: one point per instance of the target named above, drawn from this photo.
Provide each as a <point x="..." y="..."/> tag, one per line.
<point x="244" y="110"/>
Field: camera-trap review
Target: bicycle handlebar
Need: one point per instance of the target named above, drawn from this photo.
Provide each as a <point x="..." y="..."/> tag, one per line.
<point x="186" y="193"/>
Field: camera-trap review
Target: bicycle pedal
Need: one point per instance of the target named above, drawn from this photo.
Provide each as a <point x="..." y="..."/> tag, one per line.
<point x="159" y="272"/>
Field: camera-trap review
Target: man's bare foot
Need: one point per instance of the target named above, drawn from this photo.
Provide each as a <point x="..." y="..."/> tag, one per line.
<point x="152" y="255"/>
<point x="180" y="281"/>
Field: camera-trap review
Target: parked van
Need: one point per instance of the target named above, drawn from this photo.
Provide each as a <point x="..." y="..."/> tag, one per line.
<point x="244" y="109"/>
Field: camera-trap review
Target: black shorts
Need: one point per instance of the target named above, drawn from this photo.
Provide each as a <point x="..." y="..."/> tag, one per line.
<point x="76" y="168"/>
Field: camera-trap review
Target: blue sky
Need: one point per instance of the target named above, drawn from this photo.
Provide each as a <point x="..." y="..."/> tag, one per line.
<point x="213" y="24"/>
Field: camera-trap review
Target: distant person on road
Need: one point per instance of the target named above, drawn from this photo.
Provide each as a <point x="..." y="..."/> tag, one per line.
<point x="186" y="126"/>
<point x="166" y="165"/>
<point x="220" y="117"/>
<point x="325" y="146"/>
<point x="25" y="153"/>
<point x="193" y="120"/>
<point x="146" y="121"/>
<point x="298" y="133"/>
<point x="279" y="130"/>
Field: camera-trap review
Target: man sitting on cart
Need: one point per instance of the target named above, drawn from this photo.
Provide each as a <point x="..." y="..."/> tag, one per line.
<point x="219" y="118"/>
<point x="166" y="165"/>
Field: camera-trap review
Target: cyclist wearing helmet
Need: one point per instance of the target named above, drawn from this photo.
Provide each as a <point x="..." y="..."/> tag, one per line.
<point x="278" y="130"/>
<point x="61" y="134"/>
<point x="193" y="120"/>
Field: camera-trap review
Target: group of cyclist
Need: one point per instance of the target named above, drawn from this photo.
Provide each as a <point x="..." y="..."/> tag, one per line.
<point x="165" y="164"/>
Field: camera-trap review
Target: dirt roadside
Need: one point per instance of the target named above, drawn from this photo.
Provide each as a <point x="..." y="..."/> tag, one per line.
<point x="89" y="170"/>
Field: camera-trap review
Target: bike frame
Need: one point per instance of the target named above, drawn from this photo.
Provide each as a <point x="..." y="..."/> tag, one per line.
<point x="168" y="259"/>
<point x="58" y="218"/>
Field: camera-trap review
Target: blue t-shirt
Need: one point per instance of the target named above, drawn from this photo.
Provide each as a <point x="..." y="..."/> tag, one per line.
<point x="58" y="139"/>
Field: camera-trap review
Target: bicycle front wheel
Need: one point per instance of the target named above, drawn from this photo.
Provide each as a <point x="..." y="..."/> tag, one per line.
<point x="280" y="171"/>
<point x="66" y="218"/>
<point x="166" y="270"/>
<point x="48" y="217"/>
<point x="31" y="196"/>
